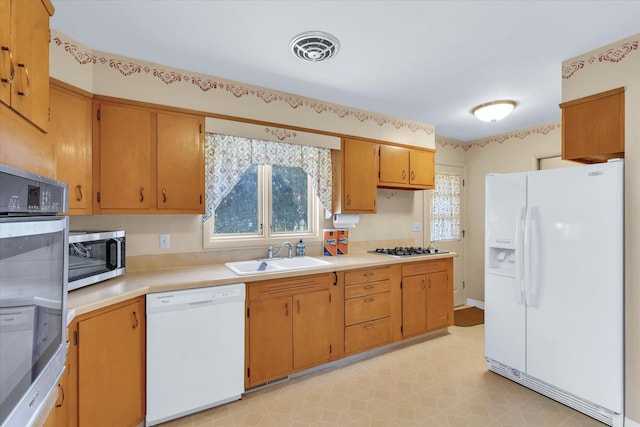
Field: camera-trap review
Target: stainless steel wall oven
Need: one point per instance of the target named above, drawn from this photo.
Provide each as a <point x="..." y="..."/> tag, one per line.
<point x="33" y="292"/>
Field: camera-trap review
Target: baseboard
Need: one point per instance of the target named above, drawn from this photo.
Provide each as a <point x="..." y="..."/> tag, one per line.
<point x="629" y="423"/>
<point x="479" y="304"/>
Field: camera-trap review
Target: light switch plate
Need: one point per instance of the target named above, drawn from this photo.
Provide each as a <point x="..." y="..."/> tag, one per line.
<point x="416" y="226"/>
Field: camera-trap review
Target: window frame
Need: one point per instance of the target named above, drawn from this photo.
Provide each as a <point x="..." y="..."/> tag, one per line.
<point x="265" y="236"/>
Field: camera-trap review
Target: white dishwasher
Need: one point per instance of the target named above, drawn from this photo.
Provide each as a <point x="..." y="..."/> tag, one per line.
<point x="195" y="350"/>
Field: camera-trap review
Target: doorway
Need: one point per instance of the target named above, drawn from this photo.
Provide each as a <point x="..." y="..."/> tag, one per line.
<point x="444" y="211"/>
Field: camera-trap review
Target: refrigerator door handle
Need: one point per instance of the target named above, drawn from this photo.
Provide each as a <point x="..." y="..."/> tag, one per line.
<point x="519" y="257"/>
<point x="527" y="253"/>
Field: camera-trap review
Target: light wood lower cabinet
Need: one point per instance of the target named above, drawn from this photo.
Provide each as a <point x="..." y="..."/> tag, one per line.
<point x="427" y="296"/>
<point x="288" y="326"/>
<point x="367" y="309"/>
<point x="109" y="346"/>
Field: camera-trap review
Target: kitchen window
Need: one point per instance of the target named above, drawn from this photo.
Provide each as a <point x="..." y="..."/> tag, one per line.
<point x="445" y="215"/>
<point x="261" y="192"/>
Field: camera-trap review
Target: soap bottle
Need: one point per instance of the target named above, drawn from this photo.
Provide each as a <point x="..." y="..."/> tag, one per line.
<point x="300" y="248"/>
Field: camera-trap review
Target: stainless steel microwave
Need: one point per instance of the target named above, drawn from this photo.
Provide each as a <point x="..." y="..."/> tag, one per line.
<point x="95" y="256"/>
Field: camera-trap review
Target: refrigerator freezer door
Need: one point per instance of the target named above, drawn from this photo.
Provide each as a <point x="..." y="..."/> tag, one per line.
<point x="575" y="288"/>
<point x="505" y="320"/>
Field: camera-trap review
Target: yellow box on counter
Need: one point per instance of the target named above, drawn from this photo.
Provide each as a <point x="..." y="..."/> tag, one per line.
<point x="336" y="242"/>
<point x="330" y="242"/>
<point x="343" y="242"/>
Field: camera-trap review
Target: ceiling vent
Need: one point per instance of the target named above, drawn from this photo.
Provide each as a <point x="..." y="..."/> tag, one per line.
<point x="314" y="46"/>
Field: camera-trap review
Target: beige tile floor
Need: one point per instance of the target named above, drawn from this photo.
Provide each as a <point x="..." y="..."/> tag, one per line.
<point x="441" y="382"/>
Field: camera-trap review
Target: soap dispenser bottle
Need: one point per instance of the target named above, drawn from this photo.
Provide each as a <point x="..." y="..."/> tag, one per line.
<point x="300" y="248"/>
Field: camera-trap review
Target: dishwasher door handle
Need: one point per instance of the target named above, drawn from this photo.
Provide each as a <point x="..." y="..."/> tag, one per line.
<point x="201" y="302"/>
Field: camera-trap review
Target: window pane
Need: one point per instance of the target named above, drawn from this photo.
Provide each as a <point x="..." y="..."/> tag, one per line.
<point x="238" y="212"/>
<point x="289" y="200"/>
<point x="445" y="218"/>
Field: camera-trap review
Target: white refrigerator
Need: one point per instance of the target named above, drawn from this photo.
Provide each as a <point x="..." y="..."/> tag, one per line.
<point x="554" y="284"/>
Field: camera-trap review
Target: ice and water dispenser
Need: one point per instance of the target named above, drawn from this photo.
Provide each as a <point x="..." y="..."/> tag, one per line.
<point x="502" y="256"/>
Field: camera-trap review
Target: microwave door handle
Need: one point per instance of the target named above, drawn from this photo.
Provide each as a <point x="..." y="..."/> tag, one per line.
<point x="112" y="254"/>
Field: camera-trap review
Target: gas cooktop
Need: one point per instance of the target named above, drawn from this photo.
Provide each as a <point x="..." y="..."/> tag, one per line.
<point x="407" y="251"/>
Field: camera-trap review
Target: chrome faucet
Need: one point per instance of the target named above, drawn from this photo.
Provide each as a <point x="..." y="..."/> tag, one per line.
<point x="271" y="254"/>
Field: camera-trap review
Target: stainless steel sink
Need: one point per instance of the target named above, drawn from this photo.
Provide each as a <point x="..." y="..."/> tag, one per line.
<point x="244" y="268"/>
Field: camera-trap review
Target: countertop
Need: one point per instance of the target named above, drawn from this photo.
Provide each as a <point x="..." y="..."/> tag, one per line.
<point x="134" y="284"/>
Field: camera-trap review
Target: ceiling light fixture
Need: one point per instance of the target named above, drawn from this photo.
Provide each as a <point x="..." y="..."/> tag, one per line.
<point x="494" y="111"/>
<point x="314" y="46"/>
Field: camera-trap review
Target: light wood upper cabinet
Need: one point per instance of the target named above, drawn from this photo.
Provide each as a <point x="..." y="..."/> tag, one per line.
<point x="111" y="362"/>
<point x="147" y="160"/>
<point x="593" y="127"/>
<point x="24" y="72"/>
<point x="359" y="171"/>
<point x="70" y="134"/>
<point x="409" y="168"/>
<point x="124" y="156"/>
<point x="180" y="162"/>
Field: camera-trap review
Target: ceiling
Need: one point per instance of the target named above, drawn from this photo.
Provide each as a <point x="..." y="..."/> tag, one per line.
<point x="429" y="61"/>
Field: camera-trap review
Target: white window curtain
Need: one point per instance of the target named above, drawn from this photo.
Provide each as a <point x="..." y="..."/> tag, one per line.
<point x="228" y="158"/>
<point x="445" y="220"/>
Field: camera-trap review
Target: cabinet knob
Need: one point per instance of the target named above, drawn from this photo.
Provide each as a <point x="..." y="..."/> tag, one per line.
<point x="78" y="193"/>
<point x="404" y="174"/>
<point x="369" y="300"/>
<point x="369" y="325"/>
<point x="135" y="322"/>
<point x="164" y="195"/>
<point x="141" y="194"/>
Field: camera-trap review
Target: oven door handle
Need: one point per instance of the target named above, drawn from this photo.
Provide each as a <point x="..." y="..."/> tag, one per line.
<point x="112" y="254"/>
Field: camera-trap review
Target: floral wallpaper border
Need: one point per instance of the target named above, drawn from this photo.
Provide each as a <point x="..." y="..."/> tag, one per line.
<point x="480" y="143"/>
<point x="612" y="55"/>
<point x="238" y="90"/>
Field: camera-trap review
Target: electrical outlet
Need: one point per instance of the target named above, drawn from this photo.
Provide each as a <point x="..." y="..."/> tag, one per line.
<point x="165" y="241"/>
<point x="416" y="226"/>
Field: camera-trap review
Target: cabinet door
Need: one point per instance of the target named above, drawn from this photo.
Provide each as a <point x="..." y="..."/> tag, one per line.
<point x="359" y="176"/>
<point x="311" y="329"/>
<point x="180" y="162"/>
<point x="125" y="157"/>
<point x="439" y="301"/>
<point x="6" y="57"/>
<point x="111" y="361"/>
<point x="422" y="168"/>
<point x="30" y="36"/>
<point x="394" y="164"/>
<point x="70" y="133"/>
<point x="414" y="309"/>
<point x="270" y="339"/>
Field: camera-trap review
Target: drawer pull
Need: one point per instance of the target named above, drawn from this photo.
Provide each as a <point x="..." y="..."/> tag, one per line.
<point x="369" y="287"/>
<point x="369" y="325"/>
<point x="369" y="274"/>
<point x="369" y="300"/>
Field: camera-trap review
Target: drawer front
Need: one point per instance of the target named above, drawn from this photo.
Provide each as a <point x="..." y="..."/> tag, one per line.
<point x="365" y="308"/>
<point x="368" y="275"/>
<point x="363" y="289"/>
<point x="367" y="335"/>
<point x="288" y="287"/>
<point x="426" y="267"/>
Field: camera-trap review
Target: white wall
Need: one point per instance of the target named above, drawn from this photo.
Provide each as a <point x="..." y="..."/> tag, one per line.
<point x="610" y="67"/>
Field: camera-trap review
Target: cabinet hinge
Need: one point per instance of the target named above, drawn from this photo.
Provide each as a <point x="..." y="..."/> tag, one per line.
<point x="75" y="337"/>
<point x="98" y="197"/>
<point x="463" y="233"/>
<point x="463" y="285"/>
<point x="200" y="128"/>
<point x="401" y="284"/>
<point x="463" y="182"/>
<point x="49" y="114"/>
<point x="329" y="298"/>
<point x="401" y="329"/>
<point x="201" y="199"/>
<point x="335" y="279"/>
<point x="248" y="372"/>
<point x="98" y="114"/>
<point x="247" y="312"/>
<point x="330" y="350"/>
